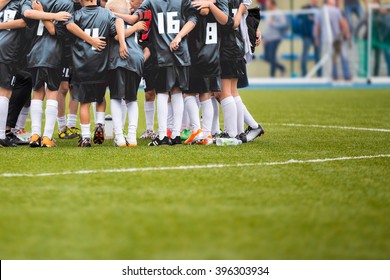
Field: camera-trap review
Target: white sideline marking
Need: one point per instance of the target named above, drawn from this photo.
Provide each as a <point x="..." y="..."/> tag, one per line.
<point x="168" y="168"/>
<point x="331" y="126"/>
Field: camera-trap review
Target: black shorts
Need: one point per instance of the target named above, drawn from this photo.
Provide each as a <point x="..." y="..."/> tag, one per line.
<point x="65" y="77"/>
<point x="170" y="77"/>
<point x="7" y="77"/>
<point x="50" y="76"/>
<point x="201" y="83"/>
<point x="150" y="76"/>
<point x="87" y="93"/>
<point x="233" y="69"/>
<point x="123" y="84"/>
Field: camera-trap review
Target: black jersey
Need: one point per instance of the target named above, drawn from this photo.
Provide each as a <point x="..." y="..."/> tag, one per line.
<point x="135" y="60"/>
<point x="46" y="50"/>
<point x="204" y="40"/>
<point x="168" y="17"/>
<point x="10" y="40"/>
<point x="90" y="65"/>
<point x="232" y="44"/>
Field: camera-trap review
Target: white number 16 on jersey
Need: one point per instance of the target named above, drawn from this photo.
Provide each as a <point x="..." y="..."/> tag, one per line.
<point x="173" y="25"/>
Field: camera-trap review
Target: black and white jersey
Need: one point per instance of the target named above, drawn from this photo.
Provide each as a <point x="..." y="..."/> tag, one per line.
<point x="168" y="17"/>
<point x="90" y="65"/>
<point x="232" y="44"/>
<point x="204" y="40"/>
<point x="135" y="60"/>
<point x="10" y="40"/>
<point x="46" y="50"/>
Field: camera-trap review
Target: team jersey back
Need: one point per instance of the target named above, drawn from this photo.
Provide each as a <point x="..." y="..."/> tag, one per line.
<point x="10" y="40"/>
<point x="232" y="44"/>
<point x="90" y="65"/>
<point x="135" y="60"/>
<point x="204" y="40"/>
<point x="168" y="17"/>
<point x="46" y="50"/>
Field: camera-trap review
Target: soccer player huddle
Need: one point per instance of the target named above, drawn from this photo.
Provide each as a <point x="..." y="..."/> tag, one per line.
<point x="191" y="56"/>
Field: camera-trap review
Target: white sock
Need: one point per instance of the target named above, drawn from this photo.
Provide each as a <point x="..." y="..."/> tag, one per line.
<point x="240" y="114"/>
<point x="72" y="119"/>
<point x="185" y="123"/>
<point x="248" y="119"/>
<point x="94" y="112"/>
<point x="51" y="113"/>
<point x="177" y="109"/>
<point x="101" y="117"/>
<point x="149" y="114"/>
<point x="36" y="116"/>
<point x="216" y="126"/>
<point x="116" y="113"/>
<point x="132" y="110"/>
<point x="21" y="122"/>
<point x="170" y="120"/>
<point x="191" y="107"/>
<point x="197" y="101"/>
<point x="229" y="109"/>
<point x="162" y="114"/>
<point x="207" y="116"/>
<point x="4" y="104"/>
<point x="61" y="122"/>
<point x="124" y="113"/>
<point x="85" y="130"/>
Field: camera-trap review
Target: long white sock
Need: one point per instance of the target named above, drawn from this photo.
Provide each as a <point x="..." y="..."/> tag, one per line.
<point x="116" y="113"/>
<point x="61" y="122"/>
<point x="229" y="109"/>
<point x="72" y="119"/>
<point x="170" y="119"/>
<point x="185" y="123"/>
<point x="207" y="116"/>
<point x="124" y="113"/>
<point x="4" y="104"/>
<point x="240" y="114"/>
<point x="36" y="116"/>
<point x="94" y="112"/>
<point x="149" y="114"/>
<point x="21" y="122"/>
<point x="191" y="107"/>
<point x="162" y="114"/>
<point x="51" y="113"/>
<point x="101" y="117"/>
<point x="216" y="126"/>
<point x="248" y="119"/>
<point x="177" y="109"/>
<point x="132" y="110"/>
<point x="85" y="130"/>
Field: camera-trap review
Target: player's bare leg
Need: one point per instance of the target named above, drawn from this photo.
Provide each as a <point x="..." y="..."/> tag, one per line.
<point x="85" y="123"/>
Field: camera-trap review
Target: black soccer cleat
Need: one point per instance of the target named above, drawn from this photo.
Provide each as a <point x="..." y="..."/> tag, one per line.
<point x="242" y="137"/>
<point x="158" y="142"/>
<point x="7" y="143"/>
<point x="253" y="133"/>
<point x="85" y="142"/>
<point x="176" y="141"/>
<point x="15" y="139"/>
<point x="98" y="135"/>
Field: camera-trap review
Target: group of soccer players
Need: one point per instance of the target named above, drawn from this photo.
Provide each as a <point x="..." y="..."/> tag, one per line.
<point x="190" y="54"/>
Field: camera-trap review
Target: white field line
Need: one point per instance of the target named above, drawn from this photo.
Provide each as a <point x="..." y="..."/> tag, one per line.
<point x="330" y="127"/>
<point x="169" y="168"/>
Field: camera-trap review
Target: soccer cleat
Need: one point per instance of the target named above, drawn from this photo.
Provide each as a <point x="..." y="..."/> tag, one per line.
<point x="242" y="137"/>
<point x="185" y="134"/>
<point x="98" y="135"/>
<point x="253" y="133"/>
<point x="62" y="132"/>
<point x="195" y="136"/>
<point x="131" y="140"/>
<point x="158" y="142"/>
<point x="206" y="141"/>
<point x="85" y="142"/>
<point x="148" y="134"/>
<point x="16" y="140"/>
<point x="48" y="143"/>
<point x="74" y="132"/>
<point x="176" y="141"/>
<point x="6" y="142"/>
<point x="120" y="142"/>
<point x="35" y="141"/>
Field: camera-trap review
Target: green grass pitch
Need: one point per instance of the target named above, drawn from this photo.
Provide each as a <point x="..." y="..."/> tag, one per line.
<point x="317" y="210"/>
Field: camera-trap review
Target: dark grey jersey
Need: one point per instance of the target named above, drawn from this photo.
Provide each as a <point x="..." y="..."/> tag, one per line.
<point x="168" y="17"/>
<point x="204" y="40"/>
<point x="90" y="65"/>
<point x="46" y="50"/>
<point x="10" y="40"/>
<point x="135" y="60"/>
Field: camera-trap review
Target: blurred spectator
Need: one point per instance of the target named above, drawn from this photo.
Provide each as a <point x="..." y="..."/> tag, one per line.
<point x="306" y="30"/>
<point x="262" y="4"/>
<point x="276" y="26"/>
<point x="381" y="34"/>
<point x="339" y="33"/>
<point x="353" y="7"/>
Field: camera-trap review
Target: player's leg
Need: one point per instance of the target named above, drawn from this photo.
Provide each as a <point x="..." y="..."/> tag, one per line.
<point x="36" y="112"/>
<point x="177" y="110"/>
<point x="229" y="108"/>
<point x="215" y="128"/>
<point x="149" y="109"/>
<point x="240" y="111"/>
<point x="85" y="139"/>
<point x="98" y="137"/>
<point x="207" y="118"/>
<point x="170" y="120"/>
<point x="61" y="118"/>
<point x="5" y="95"/>
<point x="133" y="81"/>
<point x="192" y="109"/>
